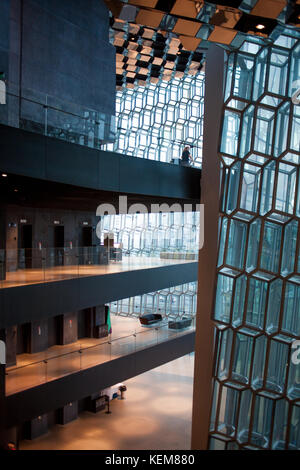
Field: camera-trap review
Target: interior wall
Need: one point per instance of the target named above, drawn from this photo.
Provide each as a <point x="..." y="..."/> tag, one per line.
<point x="60" y="49"/>
<point x="43" y="224"/>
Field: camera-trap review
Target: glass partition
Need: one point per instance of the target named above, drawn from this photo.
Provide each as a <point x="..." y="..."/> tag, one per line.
<point x="75" y="358"/>
<point x="51" y="116"/>
<point x="32" y="266"/>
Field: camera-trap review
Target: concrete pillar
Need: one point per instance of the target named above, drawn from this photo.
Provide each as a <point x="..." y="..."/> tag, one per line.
<point x="210" y="182"/>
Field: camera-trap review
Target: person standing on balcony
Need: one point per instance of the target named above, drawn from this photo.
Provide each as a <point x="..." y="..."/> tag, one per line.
<point x="186" y="158"/>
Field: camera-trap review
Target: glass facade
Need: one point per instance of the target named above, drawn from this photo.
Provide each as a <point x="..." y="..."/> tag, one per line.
<point x="256" y="397"/>
<point x="158" y="120"/>
<point x="155" y="234"/>
<point x="172" y="303"/>
<point x="169" y="236"/>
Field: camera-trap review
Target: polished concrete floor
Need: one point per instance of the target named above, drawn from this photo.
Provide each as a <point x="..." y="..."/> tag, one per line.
<point x="156" y="414"/>
<point x="127" y="336"/>
<point x="23" y="277"/>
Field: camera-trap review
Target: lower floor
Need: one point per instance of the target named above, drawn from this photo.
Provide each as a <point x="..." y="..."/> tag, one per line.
<point x="156" y="414"/>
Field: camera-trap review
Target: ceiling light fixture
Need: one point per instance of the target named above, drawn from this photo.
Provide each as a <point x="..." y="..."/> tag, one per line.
<point x="260" y="26"/>
<point x="4" y="175"/>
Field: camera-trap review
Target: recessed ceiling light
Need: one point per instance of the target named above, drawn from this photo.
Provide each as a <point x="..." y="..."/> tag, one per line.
<point x="4" y="175"/>
<point x="260" y="26"/>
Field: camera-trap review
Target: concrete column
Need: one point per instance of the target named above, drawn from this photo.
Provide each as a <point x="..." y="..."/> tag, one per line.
<point x="210" y="182"/>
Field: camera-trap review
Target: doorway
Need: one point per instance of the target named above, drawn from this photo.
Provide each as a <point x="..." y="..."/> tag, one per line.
<point x="25" y="245"/>
<point x="87" y="236"/>
<point x="86" y="242"/>
<point x="59" y="243"/>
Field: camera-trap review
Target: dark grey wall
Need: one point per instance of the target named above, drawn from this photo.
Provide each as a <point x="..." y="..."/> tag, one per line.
<point x="66" y="51"/>
<point x="4" y="48"/>
<point x="62" y="162"/>
<point x="42" y="222"/>
<point x="4" y="34"/>
<point x="60" y="49"/>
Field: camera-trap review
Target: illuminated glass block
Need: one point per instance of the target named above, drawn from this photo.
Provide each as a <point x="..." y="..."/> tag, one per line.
<point x="257" y="294"/>
<point x="224" y="298"/>
<point x="216" y="444"/>
<point x="282" y="128"/>
<point x="243" y="76"/>
<point x="247" y="127"/>
<point x="250" y="184"/>
<point x="280" y="427"/>
<point x="291" y="309"/>
<point x="222" y="240"/>
<point x="294" y="431"/>
<point x="262" y="420"/>
<point x="267" y="188"/>
<point x="228" y="411"/>
<point x="295" y="130"/>
<point x="236" y="244"/>
<point x="244" y="416"/>
<point x="269" y="259"/>
<point x="215" y="398"/>
<point x="278" y="71"/>
<point x="293" y="391"/>
<point x="294" y="70"/>
<point x="264" y="127"/>
<point x="289" y="248"/>
<point x="277" y="364"/>
<point x="242" y="358"/>
<point x="231" y="129"/>
<point x="274" y="306"/>
<point x="253" y="245"/>
<point x="233" y="187"/>
<point x="230" y="71"/>
<point x="260" y="74"/>
<point x="259" y="362"/>
<point x="224" y="353"/>
<point x="286" y="185"/>
<point x="239" y="300"/>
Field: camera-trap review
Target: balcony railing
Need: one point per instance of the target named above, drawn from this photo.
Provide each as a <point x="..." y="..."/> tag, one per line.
<point x="32" y="266"/>
<point x="76" y="358"/>
<point x="51" y="116"/>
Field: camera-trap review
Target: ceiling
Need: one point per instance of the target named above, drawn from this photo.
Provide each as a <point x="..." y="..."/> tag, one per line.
<point x="163" y="39"/>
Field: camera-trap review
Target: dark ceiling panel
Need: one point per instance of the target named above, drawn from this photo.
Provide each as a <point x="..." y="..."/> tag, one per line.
<point x="163" y="28"/>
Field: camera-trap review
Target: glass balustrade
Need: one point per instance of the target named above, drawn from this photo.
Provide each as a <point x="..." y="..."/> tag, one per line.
<point x="74" y="358"/>
<point x="32" y="266"/>
<point x="51" y="116"/>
